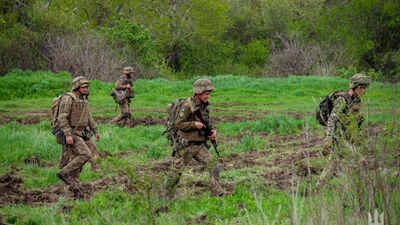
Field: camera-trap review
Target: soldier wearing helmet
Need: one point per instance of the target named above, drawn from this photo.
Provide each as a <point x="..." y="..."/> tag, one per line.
<point x="122" y="95"/>
<point x="191" y="142"/>
<point x="77" y="125"/>
<point x="344" y="120"/>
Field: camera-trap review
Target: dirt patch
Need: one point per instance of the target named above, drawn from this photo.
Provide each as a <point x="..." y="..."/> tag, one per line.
<point x="236" y="161"/>
<point x="161" y="209"/>
<point x="5" y="119"/>
<point x="14" y="193"/>
<point x="279" y="179"/>
<point x="23" y="121"/>
<point x="35" y="160"/>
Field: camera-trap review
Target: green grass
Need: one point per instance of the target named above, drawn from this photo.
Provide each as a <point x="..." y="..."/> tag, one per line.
<point x="267" y="119"/>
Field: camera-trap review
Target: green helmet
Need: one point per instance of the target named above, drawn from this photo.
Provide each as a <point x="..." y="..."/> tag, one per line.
<point x="202" y="85"/>
<point x="78" y="82"/>
<point x="128" y="70"/>
<point x="360" y="79"/>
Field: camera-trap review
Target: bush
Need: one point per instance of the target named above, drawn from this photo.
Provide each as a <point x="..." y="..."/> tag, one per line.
<point x="83" y="54"/>
<point x="19" y="84"/>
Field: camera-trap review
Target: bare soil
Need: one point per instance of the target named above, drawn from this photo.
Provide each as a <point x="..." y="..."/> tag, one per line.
<point x="13" y="192"/>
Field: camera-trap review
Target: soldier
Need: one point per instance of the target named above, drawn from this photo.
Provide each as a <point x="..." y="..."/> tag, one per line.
<point x="77" y="124"/>
<point x="191" y="142"/>
<point x="343" y="125"/>
<point x="122" y="94"/>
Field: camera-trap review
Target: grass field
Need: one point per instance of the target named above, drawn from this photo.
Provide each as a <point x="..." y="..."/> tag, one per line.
<point x="268" y="139"/>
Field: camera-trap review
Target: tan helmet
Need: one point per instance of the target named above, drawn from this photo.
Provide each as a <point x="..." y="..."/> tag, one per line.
<point x="202" y="85"/>
<point x="360" y="79"/>
<point x="128" y="70"/>
<point x="78" y="82"/>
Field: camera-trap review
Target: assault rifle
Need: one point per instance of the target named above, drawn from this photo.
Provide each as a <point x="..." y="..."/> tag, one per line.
<point x="206" y="130"/>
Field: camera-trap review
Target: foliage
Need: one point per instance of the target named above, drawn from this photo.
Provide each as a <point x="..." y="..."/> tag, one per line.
<point x="20" y="84"/>
<point x="181" y="39"/>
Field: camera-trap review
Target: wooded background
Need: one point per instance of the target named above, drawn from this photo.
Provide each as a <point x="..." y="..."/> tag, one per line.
<point x="184" y="38"/>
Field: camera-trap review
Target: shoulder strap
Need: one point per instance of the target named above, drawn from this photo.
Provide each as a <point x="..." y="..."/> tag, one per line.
<point x="340" y="93"/>
<point x="59" y="101"/>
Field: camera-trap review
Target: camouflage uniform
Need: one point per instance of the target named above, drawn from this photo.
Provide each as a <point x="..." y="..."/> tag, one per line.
<point x="124" y="105"/>
<point x="342" y="129"/>
<point x="192" y="145"/>
<point x="75" y="120"/>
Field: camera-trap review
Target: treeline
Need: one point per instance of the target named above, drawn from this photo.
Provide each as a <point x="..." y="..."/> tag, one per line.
<point x="182" y="38"/>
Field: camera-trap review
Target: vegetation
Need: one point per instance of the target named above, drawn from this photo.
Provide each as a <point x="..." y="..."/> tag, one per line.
<point x="268" y="139"/>
<point x="181" y="39"/>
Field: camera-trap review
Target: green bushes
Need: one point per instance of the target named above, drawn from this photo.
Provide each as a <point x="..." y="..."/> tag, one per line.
<point x="20" y="84"/>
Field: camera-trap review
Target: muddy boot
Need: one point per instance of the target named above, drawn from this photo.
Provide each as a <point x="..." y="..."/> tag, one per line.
<point x="216" y="188"/>
<point x="64" y="177"/>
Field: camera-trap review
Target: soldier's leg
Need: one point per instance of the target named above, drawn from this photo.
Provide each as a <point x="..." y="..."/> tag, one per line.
<point x="95" y="155"/>
<point x="126" y="111"/>
<point x="81" y="155"/>
<point x="330" y="169"/>
<point x="66" y="157"/>
<point x="181" y="159"/>
<point x="120" y="116"/>
<point x="204" y="157"/>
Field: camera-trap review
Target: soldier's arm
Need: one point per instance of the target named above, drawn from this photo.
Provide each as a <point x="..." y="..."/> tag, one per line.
<point x="182" y="122"/>
<point x="119" y="85"/>
<point x="63" y="116"/>
<point x="337" y="114"/>
<point x="92" y="124"/>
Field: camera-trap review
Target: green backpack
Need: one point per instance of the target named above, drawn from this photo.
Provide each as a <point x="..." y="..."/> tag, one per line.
<point x="172" y="115"/>
<point x="325" y="107"/>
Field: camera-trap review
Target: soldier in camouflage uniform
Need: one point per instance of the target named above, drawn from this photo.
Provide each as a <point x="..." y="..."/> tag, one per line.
<point x="343" y="125"/>
<point x="123" y="87"/>
<point x="77" y="124"/>
<point x="191" y="144"/>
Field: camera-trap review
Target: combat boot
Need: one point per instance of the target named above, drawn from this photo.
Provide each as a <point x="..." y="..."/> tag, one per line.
<point x="65" y="178"/>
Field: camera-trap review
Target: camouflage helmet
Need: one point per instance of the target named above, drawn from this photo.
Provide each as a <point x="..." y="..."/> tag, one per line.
<point x="128" y="70"/>
<point x="202" y="85"/>
<point x="359" y="79"/>
<point x="78" y="82"/>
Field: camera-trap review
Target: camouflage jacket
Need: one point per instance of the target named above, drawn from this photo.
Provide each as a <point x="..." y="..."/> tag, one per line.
<point x="121" y="83"/>
<point x="345" y="116"/>
<point x="74" y="116"/>
<point x="185" y="123"/>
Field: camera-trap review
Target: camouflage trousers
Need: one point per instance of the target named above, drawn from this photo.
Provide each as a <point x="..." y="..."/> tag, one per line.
<point x="341" y="156"/>
<point x="125" y="110"/>
<point x="201" y="154"/>
<point x="75" y="156"/>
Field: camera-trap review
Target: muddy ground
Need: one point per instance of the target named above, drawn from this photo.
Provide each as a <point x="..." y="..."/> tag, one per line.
<point x="238" y="115"/>
<point x="14" y="192"/>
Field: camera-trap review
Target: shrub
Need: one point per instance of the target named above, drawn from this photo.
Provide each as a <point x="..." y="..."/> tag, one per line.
<point x="19" y="84"/>
<point x="83" y="54"/>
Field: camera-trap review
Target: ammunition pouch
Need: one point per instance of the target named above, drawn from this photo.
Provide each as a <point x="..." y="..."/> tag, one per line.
<point x="182" y="142"/>
<point x="87" y="134"/>
<point x="59" y="136"/>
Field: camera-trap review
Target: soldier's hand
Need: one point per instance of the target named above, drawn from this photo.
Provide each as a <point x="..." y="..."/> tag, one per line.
<point x="199" y="125"/>
<point x="128" y="86"/>
<point x="69" y="140"/>
<point x="97" y="137"/>
<point x="213" y="136"/>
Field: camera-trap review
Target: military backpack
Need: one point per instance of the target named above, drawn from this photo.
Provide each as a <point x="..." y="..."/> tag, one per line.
<point x="55" y="111"/>
<point x="325" y="107"/>
<point x="172" y="115"/>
